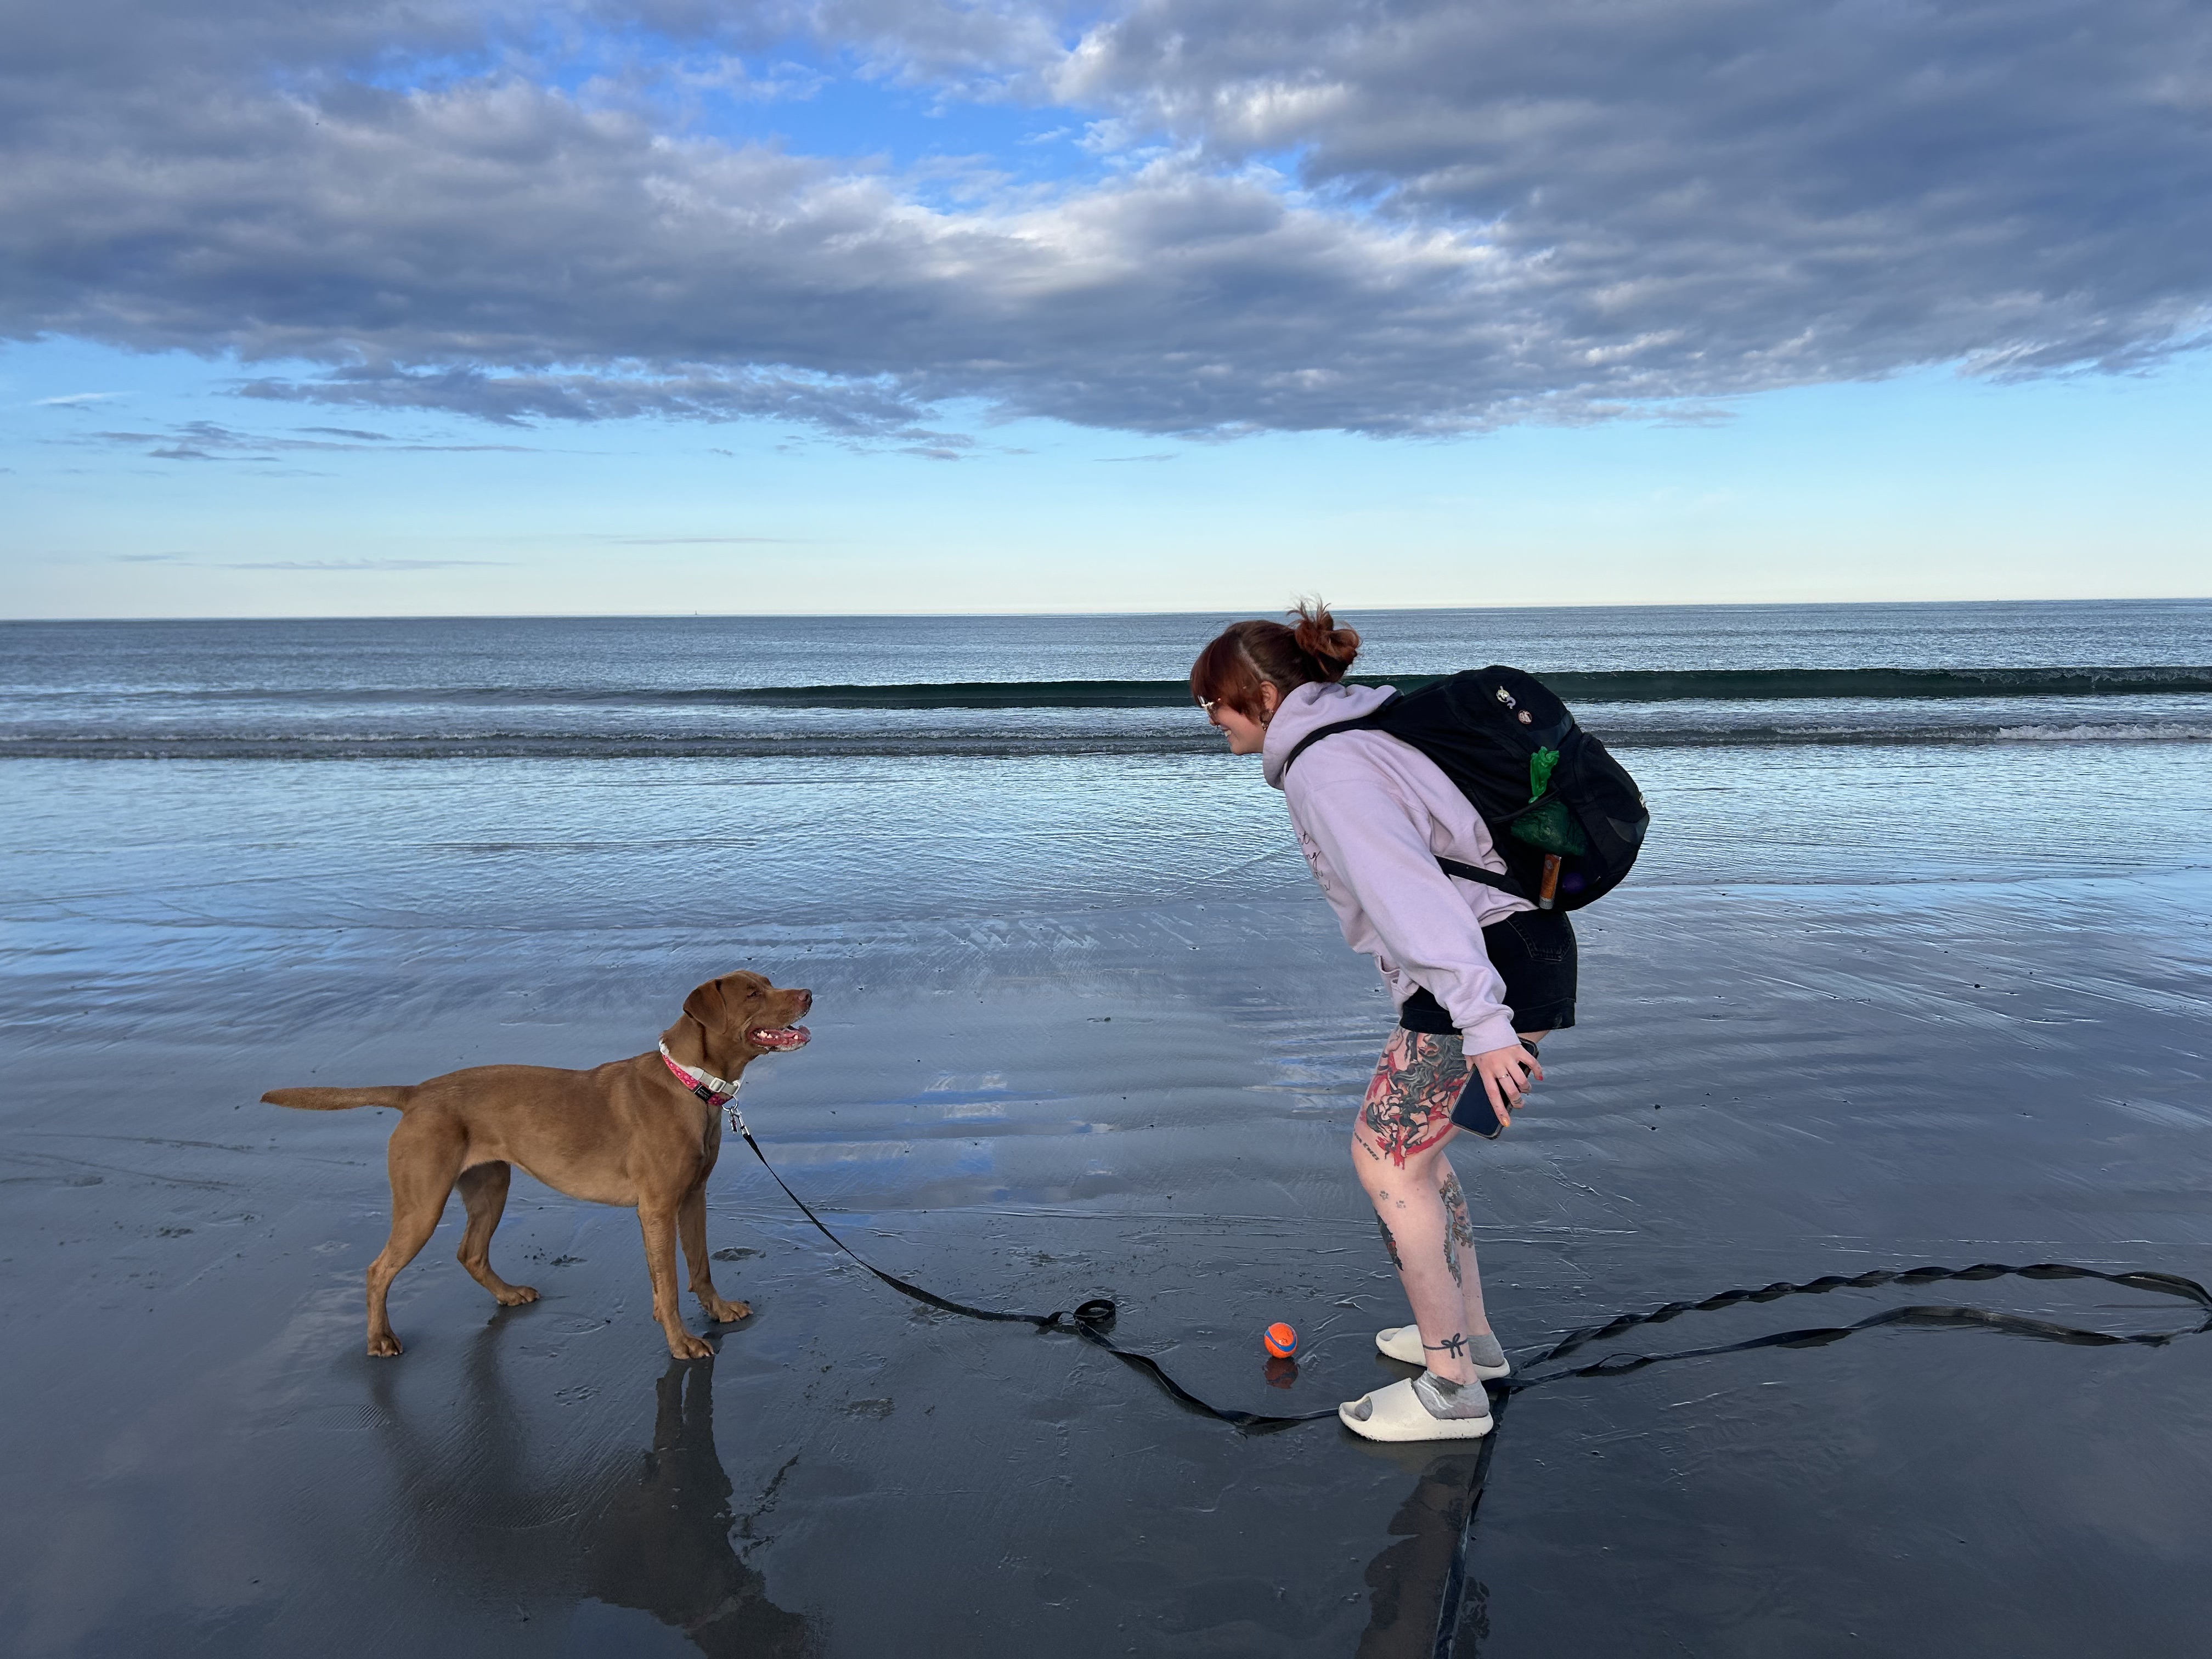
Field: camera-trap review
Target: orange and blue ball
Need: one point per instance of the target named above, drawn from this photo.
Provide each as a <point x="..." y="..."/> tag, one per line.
<point x="1280" y="1341"/>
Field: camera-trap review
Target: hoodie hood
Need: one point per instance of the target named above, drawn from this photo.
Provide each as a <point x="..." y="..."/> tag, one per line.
<point x="1312" y="706"/>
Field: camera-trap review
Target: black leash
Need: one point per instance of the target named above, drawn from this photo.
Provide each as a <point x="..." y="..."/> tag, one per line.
<point x="1930" y="1314"/>
<point x="1092" y="1320"/>
<point x="1088" y="1320"/>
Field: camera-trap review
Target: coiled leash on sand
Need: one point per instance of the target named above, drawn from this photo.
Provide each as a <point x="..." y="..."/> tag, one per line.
<point x="1092" y="1320"/>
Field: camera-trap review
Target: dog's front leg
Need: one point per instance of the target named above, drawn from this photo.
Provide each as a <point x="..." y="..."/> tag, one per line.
<point x="659" y="1226"/>
<point x="691" y="1225"/>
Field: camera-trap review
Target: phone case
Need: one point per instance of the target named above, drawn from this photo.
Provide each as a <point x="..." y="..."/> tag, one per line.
<point x="1473" y="1111"/>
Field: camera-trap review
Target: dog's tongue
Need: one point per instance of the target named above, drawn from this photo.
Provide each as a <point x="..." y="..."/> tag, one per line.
<point x="782" y="1036"/>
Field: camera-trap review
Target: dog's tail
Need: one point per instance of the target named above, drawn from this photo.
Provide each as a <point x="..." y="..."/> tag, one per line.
<point x="339" y="1100"/>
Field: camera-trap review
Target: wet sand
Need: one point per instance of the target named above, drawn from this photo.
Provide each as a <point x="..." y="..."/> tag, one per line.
<point x="1152" y="1104"/>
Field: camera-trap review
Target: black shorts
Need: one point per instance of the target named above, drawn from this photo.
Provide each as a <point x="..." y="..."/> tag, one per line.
<point x="1534" y="952"/>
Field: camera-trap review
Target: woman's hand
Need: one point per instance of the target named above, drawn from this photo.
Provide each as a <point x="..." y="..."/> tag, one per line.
<point x="1506" y="1074"/>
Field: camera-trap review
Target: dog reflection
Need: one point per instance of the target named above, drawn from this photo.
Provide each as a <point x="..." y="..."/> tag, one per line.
<point x="649" y="1531"/>
<point x="662" y="1545"/>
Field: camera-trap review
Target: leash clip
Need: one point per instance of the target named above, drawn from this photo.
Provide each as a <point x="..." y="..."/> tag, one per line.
<point x="736" y="1118"/>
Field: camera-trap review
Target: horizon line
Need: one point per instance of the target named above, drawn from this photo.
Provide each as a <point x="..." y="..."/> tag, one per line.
<point x="895" y="616"/>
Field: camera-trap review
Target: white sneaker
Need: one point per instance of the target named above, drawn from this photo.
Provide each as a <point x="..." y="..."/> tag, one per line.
<point x="1403" y="1344"/>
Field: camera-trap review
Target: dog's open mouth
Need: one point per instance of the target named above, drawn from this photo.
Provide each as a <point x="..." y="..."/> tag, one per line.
<point x="778" y="1037"/>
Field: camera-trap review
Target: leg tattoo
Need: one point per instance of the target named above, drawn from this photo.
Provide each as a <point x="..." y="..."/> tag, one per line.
<point x="1455" y="1345"/>
<point x="1463" y="1226"/>
<point x="1409" y="1101"/>
<point x="1389" y="1243"/>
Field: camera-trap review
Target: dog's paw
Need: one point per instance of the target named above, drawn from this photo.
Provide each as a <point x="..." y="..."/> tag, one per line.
<point x="515" y="1295"/>
<point x="386" y="1346"/>
<point x="724" y="1312"/>
<point x="688" y="1346"/>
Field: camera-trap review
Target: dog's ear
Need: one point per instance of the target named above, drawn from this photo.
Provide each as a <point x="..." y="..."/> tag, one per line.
<point x="708" y="1005"/>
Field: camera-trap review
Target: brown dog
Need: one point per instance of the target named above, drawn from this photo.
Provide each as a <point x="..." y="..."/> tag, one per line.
<point x="630" y="1132"/>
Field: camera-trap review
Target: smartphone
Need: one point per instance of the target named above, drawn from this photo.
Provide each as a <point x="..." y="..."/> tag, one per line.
<point x="1474" y="1112"/>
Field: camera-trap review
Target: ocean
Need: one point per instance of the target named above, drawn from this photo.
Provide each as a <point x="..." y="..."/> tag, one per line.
<point x="687" y="687"/>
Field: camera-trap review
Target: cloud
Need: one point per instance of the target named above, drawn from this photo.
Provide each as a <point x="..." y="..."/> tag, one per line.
<point x="76" y="399"/>
<point x="1422" y="218"/>
<point x="211" y="440"/>
<point x="354" y="564"/>
<point x="205" y="561"/>
<point x="622" y="390"/>
<point x="696" y="541"/>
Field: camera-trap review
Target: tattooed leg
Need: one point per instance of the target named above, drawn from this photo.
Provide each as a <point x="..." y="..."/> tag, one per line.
<point x="1397" y="1149"/>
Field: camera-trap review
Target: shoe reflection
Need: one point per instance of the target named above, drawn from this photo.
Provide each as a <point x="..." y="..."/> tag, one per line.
<point x="495" y="1499"/>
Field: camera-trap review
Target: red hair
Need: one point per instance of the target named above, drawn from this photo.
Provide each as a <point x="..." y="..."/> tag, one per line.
<point x="1248" y="655"/>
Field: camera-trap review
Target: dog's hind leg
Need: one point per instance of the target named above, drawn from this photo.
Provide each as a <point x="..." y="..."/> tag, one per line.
<point x="483" y="1189"/>
<point x="659" y="1226"/>
<point x="424" y="1158"/>
<point x="692" y="1226"/>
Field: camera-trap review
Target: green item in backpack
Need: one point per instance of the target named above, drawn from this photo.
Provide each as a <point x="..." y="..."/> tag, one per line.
<point x="1550" y="827"/>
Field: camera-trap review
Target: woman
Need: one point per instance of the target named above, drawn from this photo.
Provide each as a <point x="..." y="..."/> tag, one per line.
<point x="1478" y="976"/>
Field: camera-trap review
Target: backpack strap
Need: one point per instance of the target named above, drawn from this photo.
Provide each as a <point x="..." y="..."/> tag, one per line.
<point x="1369" y="721"/>
<point x="1373" y="722"/>
<point x="1487" y="877"/>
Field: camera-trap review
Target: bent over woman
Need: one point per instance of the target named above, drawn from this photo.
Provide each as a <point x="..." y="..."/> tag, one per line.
<point x="1479" y="976"/>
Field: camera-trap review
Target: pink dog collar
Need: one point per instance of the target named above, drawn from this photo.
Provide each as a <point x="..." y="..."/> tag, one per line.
<point x="714" y="1090"/>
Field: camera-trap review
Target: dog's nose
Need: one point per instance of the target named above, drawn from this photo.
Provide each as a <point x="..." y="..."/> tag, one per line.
<point x="805" y="1000"/>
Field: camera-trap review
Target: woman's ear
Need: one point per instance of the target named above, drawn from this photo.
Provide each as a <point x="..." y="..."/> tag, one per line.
<point x="1270" y="700"/>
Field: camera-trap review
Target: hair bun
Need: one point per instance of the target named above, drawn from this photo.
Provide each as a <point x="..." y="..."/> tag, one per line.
<point x="1332" y="648"/>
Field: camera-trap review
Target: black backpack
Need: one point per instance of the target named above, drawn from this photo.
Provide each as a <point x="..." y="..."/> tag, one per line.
<point x="1558" y="805"/>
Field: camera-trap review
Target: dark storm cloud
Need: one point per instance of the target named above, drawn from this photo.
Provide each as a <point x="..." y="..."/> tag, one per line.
<point x="1401" y="218"/>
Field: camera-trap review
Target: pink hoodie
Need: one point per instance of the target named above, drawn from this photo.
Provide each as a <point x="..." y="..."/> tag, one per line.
<point x="1373" y="815"/>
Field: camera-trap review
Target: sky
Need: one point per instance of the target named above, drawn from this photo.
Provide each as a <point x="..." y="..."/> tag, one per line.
<point x="656" y="305"/>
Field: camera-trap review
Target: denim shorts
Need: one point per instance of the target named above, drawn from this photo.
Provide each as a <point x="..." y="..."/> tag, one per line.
<point x="1534" y="952"/>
